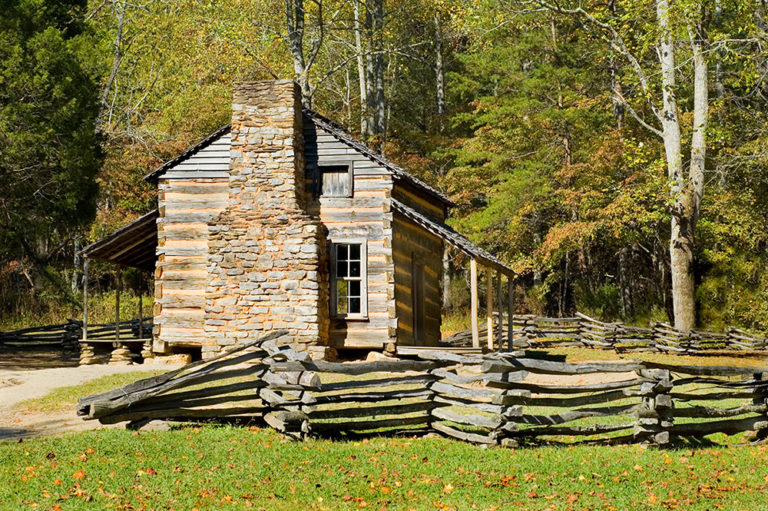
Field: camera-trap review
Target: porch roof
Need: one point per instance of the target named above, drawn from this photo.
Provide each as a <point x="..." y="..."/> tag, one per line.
<point x="448" y="234"/>
<point x="134" y="245"/>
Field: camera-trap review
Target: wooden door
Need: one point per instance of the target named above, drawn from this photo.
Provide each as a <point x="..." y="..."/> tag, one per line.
<point x="417" y="300"/>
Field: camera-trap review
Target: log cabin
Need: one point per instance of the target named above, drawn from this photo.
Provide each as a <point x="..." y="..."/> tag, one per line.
<point x="283" y="220"/>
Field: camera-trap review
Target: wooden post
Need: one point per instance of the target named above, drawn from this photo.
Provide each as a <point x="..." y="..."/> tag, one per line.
<point x="474" y="302"/>
<point x="500" y="310"/>
<point x="510" y="312"/>
<point x="117" y="303"/>
<point x="141" y="313"/>
<point x="489" y="306"/>
<point x="85" y="299"/>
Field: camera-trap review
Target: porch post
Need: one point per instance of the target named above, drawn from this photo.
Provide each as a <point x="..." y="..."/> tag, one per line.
<point x="141" y="313"/>
<point x="500" y="310"/>
<point x="85" y="300"/>
<point x="510" y="312"/>
<point x="474" y="302"/>
<point x="118" y="288"/>
<point x="489" y="306"/>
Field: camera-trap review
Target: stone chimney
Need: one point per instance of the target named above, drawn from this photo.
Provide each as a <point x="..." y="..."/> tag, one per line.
<point x="266" y="254"/>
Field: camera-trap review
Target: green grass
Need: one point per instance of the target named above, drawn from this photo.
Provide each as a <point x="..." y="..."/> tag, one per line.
<point x="241" y="468"/>
<point x="65" y="398"/>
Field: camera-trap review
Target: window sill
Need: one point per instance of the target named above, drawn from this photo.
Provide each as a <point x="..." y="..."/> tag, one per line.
<point x="350" y="318"/>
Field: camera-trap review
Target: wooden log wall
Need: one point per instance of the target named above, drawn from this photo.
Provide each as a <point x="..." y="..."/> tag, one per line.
<point x="581" y="330"/>
<point x="364" y="217"/>
<point x="187" y="203"/>
<point x="493" y="399"/>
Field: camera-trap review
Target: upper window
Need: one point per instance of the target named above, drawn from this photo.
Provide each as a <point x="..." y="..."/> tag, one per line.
<point x="335" y="180"/>
<point x="348" y="280"/>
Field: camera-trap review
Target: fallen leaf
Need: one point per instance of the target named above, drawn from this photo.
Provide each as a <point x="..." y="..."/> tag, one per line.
<point x="78" y="475"/>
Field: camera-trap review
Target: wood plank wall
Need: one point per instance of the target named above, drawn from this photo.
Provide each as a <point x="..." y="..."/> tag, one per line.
<point x="366" y="216"/>
<point x="186" y="205"/>
<point x="412" y="244"/>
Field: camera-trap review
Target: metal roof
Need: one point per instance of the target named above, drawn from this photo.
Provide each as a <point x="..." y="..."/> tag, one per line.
<point x="134" y="245"/>
<point x="447" y="233"/>
<point x="334" y="129"/>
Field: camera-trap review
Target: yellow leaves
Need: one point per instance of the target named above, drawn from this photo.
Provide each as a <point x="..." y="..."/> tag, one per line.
<point x="652" y="499"/>
<point x="639" y="468"/>
<point x="448" y="488"/>
<point x="79" y="474"/>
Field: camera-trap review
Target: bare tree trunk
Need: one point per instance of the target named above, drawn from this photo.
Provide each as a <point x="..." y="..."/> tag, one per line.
<point x="681" y="240"/>
<point x="439" y="71"/>
<point x="294" y="17"/>
<point x="105" y="109"/>
<point x="446" y="278"/>
<point x="361" y="72"/>
<point x="377" y="14"/>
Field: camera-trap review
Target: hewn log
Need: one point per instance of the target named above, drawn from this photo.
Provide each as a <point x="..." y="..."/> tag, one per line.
<point x="422" y="379"/>
<point x="593" y="429"/>
<point x="182" y="414"/>
<point x="572" y="415"/>
<point x="463" y="435"/>
<point x="326" y="427"/>
<point x="358" y="412"/>
<point x="468" y="419"/>
<point x="730" y="427"/>
<point x="563" y="389"/>
<point x="475" y="405"/>
<point x="589" y="399"/>
<point x="548" y="367"/>
<point x="358" y="368"/>
<point x="366" y="397"/>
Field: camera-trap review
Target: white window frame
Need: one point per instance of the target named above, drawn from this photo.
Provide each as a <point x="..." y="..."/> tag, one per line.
<point x="363" y="314"/>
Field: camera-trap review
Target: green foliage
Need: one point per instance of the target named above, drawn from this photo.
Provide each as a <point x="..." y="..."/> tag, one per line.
<point x="49" y="149"/>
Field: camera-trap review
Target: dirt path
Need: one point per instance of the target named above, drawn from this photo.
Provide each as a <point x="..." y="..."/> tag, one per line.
<point x="17" y="386"/>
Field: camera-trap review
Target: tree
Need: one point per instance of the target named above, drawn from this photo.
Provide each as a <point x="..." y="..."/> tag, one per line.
<point x="49" y="149"/>
<point x="670" y="25"/>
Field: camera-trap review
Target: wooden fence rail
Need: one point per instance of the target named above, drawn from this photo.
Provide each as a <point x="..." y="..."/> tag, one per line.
<point x="71" y="332"/>
<point x="495" y="399"/>
<point x="581" y="330"/>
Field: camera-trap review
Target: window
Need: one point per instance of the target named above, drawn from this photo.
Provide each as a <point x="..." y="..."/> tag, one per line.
<point x="348" y="280"/>
<point x="336" y="180"/>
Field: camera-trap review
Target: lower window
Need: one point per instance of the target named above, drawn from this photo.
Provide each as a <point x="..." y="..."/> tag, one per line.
<point x="348" y="280"/>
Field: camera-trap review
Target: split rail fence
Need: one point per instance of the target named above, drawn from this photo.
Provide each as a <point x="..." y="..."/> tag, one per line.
<point x="581" y="330"/>
<point x="71" y="332"/>
<point x="495" y="399"/>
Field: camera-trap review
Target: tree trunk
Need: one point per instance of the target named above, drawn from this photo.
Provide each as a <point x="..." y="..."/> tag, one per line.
<point x="361" y="72"/>
<point x="439" y="71"/>
<point x="446" y="278"/>
<point x="681" y="239"/>
<point x="378" y="67"/>
<point x="294" y="17"/>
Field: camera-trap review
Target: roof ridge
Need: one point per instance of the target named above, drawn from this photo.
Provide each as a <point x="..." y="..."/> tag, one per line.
<point x="341" y="133"/>
<point x="337" y="130"/>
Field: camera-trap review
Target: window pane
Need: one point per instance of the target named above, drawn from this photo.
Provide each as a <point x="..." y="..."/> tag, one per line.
<point x="341" y="252"/>
<point x="341" y="269"/>
<point x="354" y="288"/>
<point x="354" y="252"/>
<point x="354" y="306"/>
<point x="341" y="296"/>
<point x="354" y="269"/>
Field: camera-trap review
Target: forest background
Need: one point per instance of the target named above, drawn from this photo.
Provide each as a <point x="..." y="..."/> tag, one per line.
<point x="552" y="125"/>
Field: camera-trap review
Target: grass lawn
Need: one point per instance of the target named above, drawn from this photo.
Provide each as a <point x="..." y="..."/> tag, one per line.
<point x="240" y="468"/>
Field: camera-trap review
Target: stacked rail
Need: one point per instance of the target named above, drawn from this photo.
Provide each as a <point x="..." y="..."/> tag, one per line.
<point x="581" y="330"/>
<point x="72" y="331"/>
<point x="495" y="399"/>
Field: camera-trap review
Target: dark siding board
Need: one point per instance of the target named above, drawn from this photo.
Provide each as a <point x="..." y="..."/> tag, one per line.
<point x="408" y="239"/>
